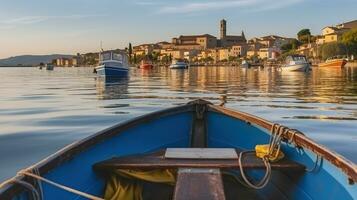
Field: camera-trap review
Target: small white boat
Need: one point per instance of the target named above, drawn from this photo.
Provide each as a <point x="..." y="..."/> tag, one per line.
<point x="49" y="66"/>
<point x="244" y="64"/>
<point x="296" y="63"/>
<point x="176" y="64"/>
<point x="113" y="63"/>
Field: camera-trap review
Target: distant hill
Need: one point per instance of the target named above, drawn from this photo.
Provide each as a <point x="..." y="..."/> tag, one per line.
<point x="30" y="59"/>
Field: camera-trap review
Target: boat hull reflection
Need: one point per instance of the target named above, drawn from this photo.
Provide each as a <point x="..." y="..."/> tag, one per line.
<point x="112" y="87"/>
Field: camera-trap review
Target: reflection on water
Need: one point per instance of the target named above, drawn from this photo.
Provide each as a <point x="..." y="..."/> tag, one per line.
<point x="112" y="88"/>
<point x="41" y="111"/>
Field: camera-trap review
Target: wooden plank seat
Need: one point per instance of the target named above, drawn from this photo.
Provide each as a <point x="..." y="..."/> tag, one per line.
<point x="157" y="160"/>
<point x="198" y="170"/>
<point x="199" y="183"/>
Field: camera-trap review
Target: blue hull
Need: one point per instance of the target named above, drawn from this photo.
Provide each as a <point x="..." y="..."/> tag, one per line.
<point x="172" y="128"/>
<point x="112" y="71"/>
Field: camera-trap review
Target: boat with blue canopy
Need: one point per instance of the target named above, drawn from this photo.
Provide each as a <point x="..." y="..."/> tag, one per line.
<point x="113" y="63"/>
<point x="194" y="151"/>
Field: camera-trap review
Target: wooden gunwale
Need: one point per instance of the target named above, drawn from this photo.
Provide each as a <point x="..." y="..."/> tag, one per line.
<point x="347" y="167"/>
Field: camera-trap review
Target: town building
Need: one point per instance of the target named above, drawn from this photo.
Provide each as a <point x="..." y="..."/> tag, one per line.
<point x="164" y="45"/>
<point x="224" y="54"/>
<point x="269" y="41"/>
<point x="252" y="52"/>
<point x="143" y="49"/>
<point x="66" y="62"/>
<point x="239" y="50"/>
<point x="269" y="53"/>
<point x="229" y="40"/>
<point x="205" y="41"/>
<point x="266" y="47"/>
<point x="309" y="50"/>
<point x="334" y="33"/>
<point x="349" y="25"/>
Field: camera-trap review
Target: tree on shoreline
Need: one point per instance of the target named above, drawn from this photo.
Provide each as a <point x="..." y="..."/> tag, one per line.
<point x="208" y="59"/>
<point x="130" y="51"/>
<point x="304" y="36"/>
<point x="349" y="39"/>
<point x="291" y="46"/>
<point x="332" y="49"/>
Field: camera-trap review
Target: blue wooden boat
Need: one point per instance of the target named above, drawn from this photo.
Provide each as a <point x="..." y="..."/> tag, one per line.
<point x="113" y="64"/>
<point x="192" y="151"/>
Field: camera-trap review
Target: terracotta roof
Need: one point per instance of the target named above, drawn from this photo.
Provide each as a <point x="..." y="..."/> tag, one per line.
<point x="350" y="24"/>
<point x="187" y="44"/>
<point x="195" y="36"/>
<point x="331" y="27"/>
<point x="235" y="36"/>
<point x="163" y="42"/>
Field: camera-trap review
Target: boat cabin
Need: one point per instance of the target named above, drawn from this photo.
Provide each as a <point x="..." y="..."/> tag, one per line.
<point x="113" y="56"/>
<point x="295" y="58"/>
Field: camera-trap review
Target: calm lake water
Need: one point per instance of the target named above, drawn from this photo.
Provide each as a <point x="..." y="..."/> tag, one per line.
<point x="42" y="111"/>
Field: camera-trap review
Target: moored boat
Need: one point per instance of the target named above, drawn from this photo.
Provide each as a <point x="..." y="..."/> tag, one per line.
<point x="146" y="64"/>
<point x="40" y="66"/>
<point x="334" y="62"/>
<point x="244" y="64"/>
<point x="178" y="64"/>
<point x="204" y="155"/>
<point x="296" y="63"/>
<point x="49" y="66"/>
<point x="113" y="63"/>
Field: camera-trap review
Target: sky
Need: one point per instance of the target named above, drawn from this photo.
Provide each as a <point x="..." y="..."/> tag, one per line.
<point x="40" y="27"/>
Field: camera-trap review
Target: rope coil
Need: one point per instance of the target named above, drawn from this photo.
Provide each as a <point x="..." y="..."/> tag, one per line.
<point x="264" y="181"/>
<point x="277" y="131"/>
<point x="318" y="159"/>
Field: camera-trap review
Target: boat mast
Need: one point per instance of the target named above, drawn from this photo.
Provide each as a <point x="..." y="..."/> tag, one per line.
<point x="101" y="45"/>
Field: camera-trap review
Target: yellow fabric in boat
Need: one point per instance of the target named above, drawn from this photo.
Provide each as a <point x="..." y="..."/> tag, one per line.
<point x="127" y="184"/>
<point x="263" y="150"/>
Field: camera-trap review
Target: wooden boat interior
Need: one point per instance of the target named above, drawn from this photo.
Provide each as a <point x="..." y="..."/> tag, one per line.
<point x="187" y="140"/>
<point x="197" y="178"/>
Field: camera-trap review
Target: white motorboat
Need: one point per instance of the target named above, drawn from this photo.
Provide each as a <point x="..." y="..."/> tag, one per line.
<point x="176" y="64"/>
<point x="244" y="64"/>
<point x="296" y="63"/>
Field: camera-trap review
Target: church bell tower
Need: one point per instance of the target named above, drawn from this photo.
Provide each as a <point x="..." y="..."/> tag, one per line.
<point x="223" y="29"/>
